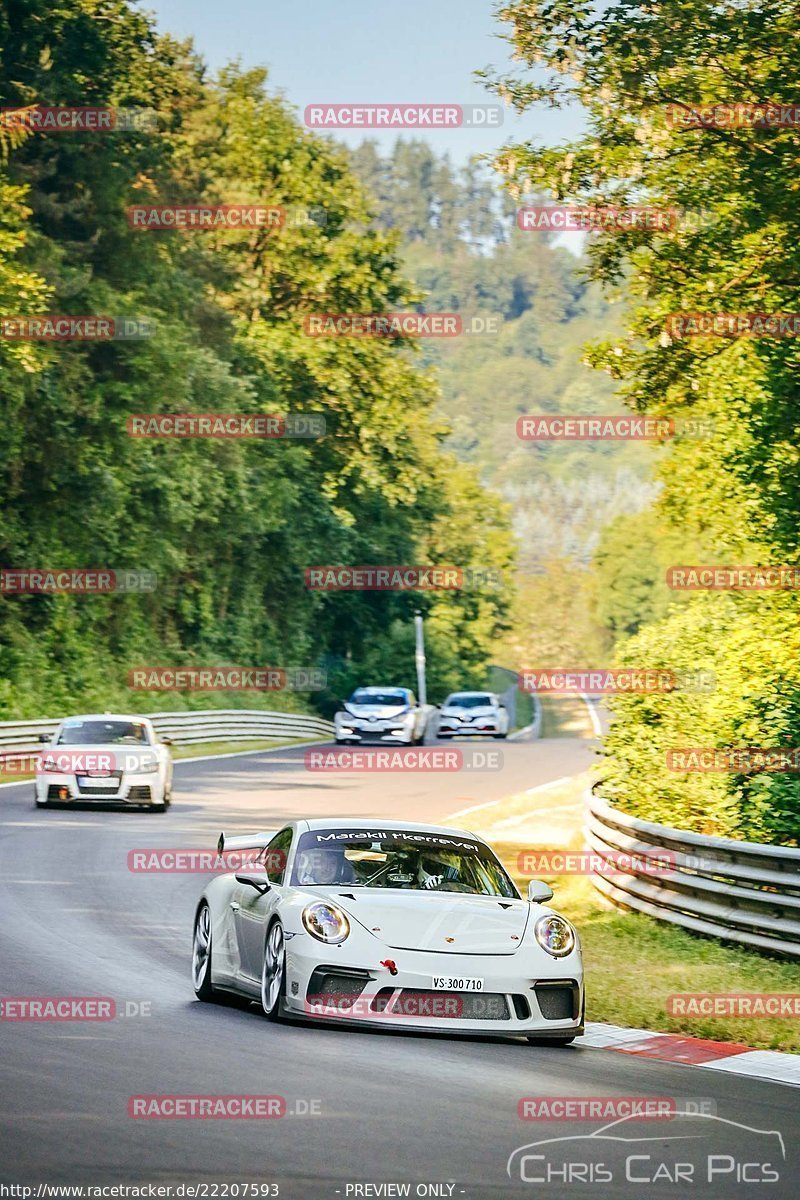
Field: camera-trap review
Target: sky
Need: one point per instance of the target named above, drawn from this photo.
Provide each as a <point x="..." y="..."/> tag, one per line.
<point x="343" y="51"/>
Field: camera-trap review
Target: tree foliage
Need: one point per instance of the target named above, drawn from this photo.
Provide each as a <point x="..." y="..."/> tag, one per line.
<point x="733" y="497"/>
<point x="228" y="526"/>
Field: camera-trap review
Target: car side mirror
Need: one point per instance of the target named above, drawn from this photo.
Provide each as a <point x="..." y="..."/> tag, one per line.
<point x="166" y="741"/>
<point x="260" y="885"/>
<point x="538" y="892"/>
<point x="44" y="738"/>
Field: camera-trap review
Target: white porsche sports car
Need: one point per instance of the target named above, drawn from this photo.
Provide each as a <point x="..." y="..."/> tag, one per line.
<point x="105" y="758"/>
<point x="390" y="925"/>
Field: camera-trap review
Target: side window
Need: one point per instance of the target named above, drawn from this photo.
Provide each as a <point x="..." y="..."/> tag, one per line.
<point x="275" y="855"/>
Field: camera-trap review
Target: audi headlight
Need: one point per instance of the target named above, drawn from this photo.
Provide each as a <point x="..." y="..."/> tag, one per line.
<point x="326" y="922"/>
<point x="555" y="935"/>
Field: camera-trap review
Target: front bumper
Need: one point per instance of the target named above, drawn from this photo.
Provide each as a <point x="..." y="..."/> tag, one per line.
<point x="376" y="734"/>
<point x="132" y="788"/>
<point x="526" y="993"/>
<point x="457" y="729"/>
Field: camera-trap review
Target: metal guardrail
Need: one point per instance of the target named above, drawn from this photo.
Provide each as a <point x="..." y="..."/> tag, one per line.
<point x="739" y="891"/>
<point x="187" y="728"/>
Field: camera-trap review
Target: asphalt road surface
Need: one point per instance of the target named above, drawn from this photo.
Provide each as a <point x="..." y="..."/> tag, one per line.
<point x="434" y="1114"/>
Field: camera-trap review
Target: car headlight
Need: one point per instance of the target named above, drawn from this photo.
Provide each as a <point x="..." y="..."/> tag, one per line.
<point x="555" y="935"/>
<point x="326" y="922"/>
<point x="143" y="766"/>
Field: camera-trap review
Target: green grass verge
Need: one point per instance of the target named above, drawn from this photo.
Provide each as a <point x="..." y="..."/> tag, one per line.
<point x="633" y="962"/>
<point x="565" y="716"/>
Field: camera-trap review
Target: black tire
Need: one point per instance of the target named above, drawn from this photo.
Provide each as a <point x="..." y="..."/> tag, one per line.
<point x="201" y="970"/>
<point x="499" y="737"/>
<point x="273" y="973"/>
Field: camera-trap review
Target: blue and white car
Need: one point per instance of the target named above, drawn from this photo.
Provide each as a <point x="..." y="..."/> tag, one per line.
<point x="381" y="714"/>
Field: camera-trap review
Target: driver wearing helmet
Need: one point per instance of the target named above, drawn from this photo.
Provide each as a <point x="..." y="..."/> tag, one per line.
<point x="327" y="866"/>
<point x="432" y="873"/>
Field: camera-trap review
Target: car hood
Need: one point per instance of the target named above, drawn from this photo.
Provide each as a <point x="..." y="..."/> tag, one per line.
<point x="447" y="922"/>
<point x="483" y="710"/>
<point x="382" y="712"/>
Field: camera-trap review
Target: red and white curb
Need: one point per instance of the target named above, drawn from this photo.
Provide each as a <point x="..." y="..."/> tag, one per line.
<point x="695" y="1052"/>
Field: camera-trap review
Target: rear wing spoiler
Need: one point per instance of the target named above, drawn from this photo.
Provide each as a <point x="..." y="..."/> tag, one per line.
<point x="247" y="841"/>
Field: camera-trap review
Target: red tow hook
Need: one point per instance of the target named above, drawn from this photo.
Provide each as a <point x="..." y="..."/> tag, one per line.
<point x="391" y="965"/>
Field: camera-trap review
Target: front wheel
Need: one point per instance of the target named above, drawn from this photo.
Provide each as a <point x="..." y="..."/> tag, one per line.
<point x="201" y="954"/>
<point x="273" y="972"/>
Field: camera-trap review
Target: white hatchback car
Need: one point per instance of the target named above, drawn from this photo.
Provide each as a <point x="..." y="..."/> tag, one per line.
<point x="480" y="714"/>
<point x="381" y="714"/>
<point x="106" y="758"/>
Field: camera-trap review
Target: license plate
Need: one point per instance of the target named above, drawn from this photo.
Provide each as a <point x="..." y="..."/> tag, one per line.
<point x="96" y="779"/>
<point x="457" y="983"/>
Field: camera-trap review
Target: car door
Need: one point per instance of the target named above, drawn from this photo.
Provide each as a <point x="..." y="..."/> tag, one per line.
<point x="253" y="910"/>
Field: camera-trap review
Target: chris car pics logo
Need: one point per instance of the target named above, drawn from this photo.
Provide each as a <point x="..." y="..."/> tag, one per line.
<point x="703" y="1154"/>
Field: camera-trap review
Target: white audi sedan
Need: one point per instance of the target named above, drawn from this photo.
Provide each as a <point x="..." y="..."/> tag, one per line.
<point x="387" y="925"/>
<point x="105" y="758"/>
<point x="473" y="714"/>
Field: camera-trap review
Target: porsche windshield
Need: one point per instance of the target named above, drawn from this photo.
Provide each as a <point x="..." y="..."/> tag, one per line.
<point x="401" y="860"/>
<point x="103" y="733"/>
<point x="379" y="699"/>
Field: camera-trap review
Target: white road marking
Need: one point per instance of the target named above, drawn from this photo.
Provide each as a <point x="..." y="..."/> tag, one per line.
<point x="492" y="803"/>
